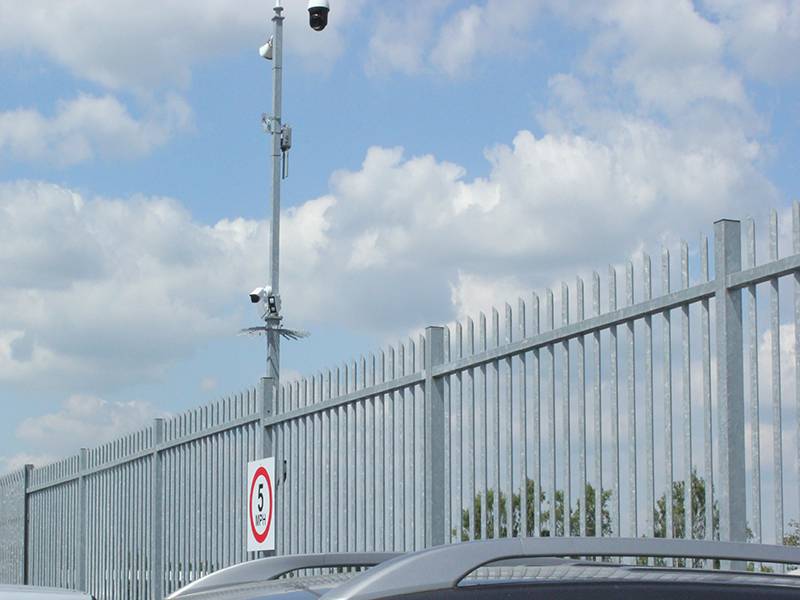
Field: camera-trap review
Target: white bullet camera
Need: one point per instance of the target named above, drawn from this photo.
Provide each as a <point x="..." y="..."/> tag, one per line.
<point x="259" y="294"/>
<point x="318" y="14"/>
<point x="271" y="302"/>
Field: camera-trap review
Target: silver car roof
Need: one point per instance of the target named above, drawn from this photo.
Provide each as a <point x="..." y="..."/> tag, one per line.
<point x="293" y="588"/>
<point x="443" y="567"/>
<point x="266" y="569"/>
<point x="31" y="592"/>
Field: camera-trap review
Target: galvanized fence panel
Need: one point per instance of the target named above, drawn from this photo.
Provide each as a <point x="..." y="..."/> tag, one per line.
<point x="53" y="524"/>
<point x="630" y="417"/>
<point x="354" y="442"/>
<point x="140" y="516"/>
<point x="12" y="526"/>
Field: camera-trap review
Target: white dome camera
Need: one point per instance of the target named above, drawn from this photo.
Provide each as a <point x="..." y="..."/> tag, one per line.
<point x="318" y="14"/>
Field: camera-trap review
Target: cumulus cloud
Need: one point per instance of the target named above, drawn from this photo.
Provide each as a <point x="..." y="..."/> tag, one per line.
<point x="89" y="127"/>
<point x="496" y="27"/>
<point x="761" y="35"/>
<point x="401" y="35"/>
<point x="670" y="54"/>
<point x="420" y="225"/>
<point x="666" y="52"/>
<point x="81" y="421"/>
<point x="96" y="288"/>
<point x="124" y="44"/>
<point x="84" y="420"/>
<point x="446" y="37"/>
<point x="20" y="459"/>
<point x="97" y="292"/>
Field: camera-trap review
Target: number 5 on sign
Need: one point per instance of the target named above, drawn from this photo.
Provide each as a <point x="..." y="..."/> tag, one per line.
<point x="260" y="505"/>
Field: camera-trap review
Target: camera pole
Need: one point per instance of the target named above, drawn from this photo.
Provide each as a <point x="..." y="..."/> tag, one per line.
<point x="276" y="129"/>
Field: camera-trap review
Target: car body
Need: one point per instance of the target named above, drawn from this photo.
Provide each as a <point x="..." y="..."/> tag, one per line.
<point x="516" y="568"/>
<point x="32" y="592"/>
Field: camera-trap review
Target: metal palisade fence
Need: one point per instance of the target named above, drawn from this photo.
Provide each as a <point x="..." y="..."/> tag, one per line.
<point x="633" y="414"/>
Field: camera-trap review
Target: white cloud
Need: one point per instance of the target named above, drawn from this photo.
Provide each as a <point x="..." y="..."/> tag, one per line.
<point x="496" y="27"/>
<point x="99" y="291"/>
<point x="762" y="35"/>
<point x="668" y="54"/>
<point x="471" y="294"/>
<point x="96" y="289"/>
<point x="96" y="292"/>
<point x="89" y="127"/>
<point x="132" y="45"/>
<point x="446" y="37"/>
<point x="401" y="35"/>
<point x="20" y="459"/>
<point x="85" y="421"/>
<point x="548" y="204"/>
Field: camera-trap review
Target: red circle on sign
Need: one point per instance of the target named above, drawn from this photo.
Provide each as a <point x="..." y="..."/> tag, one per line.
<point x="263" y="536"/>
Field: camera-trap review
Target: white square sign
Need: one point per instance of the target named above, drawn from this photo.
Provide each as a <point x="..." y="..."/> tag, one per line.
<point x="261" y="505"/>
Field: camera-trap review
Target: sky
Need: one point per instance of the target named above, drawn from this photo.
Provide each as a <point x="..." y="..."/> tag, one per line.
<point x="448" y="156"/>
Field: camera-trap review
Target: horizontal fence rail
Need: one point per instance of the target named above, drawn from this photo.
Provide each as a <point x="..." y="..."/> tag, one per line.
<point x="659" y="401"/>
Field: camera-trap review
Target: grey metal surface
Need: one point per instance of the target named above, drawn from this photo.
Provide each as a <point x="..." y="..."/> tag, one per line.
<point x="667" y="398"/>
<point x="613" y="385"/>
<point x="266" y="569"/>
<point x="775" y="388"/>
<point x="649" y="442"/>
<point x="434" y="440"/>
<point x="752" y="359"/>
<point x="29" y="592"/>
<point x="307" y="586"/>
<point x="596" y="572"/>
<point x="686" y="393"/>
<point x="566" y="410"/>
<point x="13" y="525"/>
<point x="708" y="446"/>
<point x="633" y="506"/>
<point x="444" y="567"/>
<point x="796" y="250"/>
<point x="730" y="384"/>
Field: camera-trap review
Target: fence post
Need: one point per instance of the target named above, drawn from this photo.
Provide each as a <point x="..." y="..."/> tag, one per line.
<point x="80" y="559"/>
<point x="26" y="482"/>
<point x="266" y="404"/>
<point x="434" y="439"/>
<point x="156" y="513"/>
<point x="730" y="383"/>
<point x="266" y="397"/>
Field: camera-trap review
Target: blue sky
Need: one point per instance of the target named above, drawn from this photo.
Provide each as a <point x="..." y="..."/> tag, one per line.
<point x="447" y="155"/>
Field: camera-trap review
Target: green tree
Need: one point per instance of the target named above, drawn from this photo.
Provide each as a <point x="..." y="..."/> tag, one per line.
<point x="698" y="525"/>
<point x="516" y="514"/>
<point x="697" y="528"/>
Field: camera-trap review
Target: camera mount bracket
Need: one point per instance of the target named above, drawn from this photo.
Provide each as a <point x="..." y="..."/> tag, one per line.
<point x="270" y="124"/>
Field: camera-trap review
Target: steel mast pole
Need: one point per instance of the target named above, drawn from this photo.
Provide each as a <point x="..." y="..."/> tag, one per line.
<point x="273" y="337"/>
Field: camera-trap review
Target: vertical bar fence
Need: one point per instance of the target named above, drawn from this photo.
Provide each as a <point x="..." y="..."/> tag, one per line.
<point x="634" y="416"/>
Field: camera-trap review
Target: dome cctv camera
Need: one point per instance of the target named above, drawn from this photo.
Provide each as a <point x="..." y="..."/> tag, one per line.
<point x="318" y="14"/>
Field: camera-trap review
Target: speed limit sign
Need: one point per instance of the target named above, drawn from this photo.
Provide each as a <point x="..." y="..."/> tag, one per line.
<point x="261" y="505"/>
